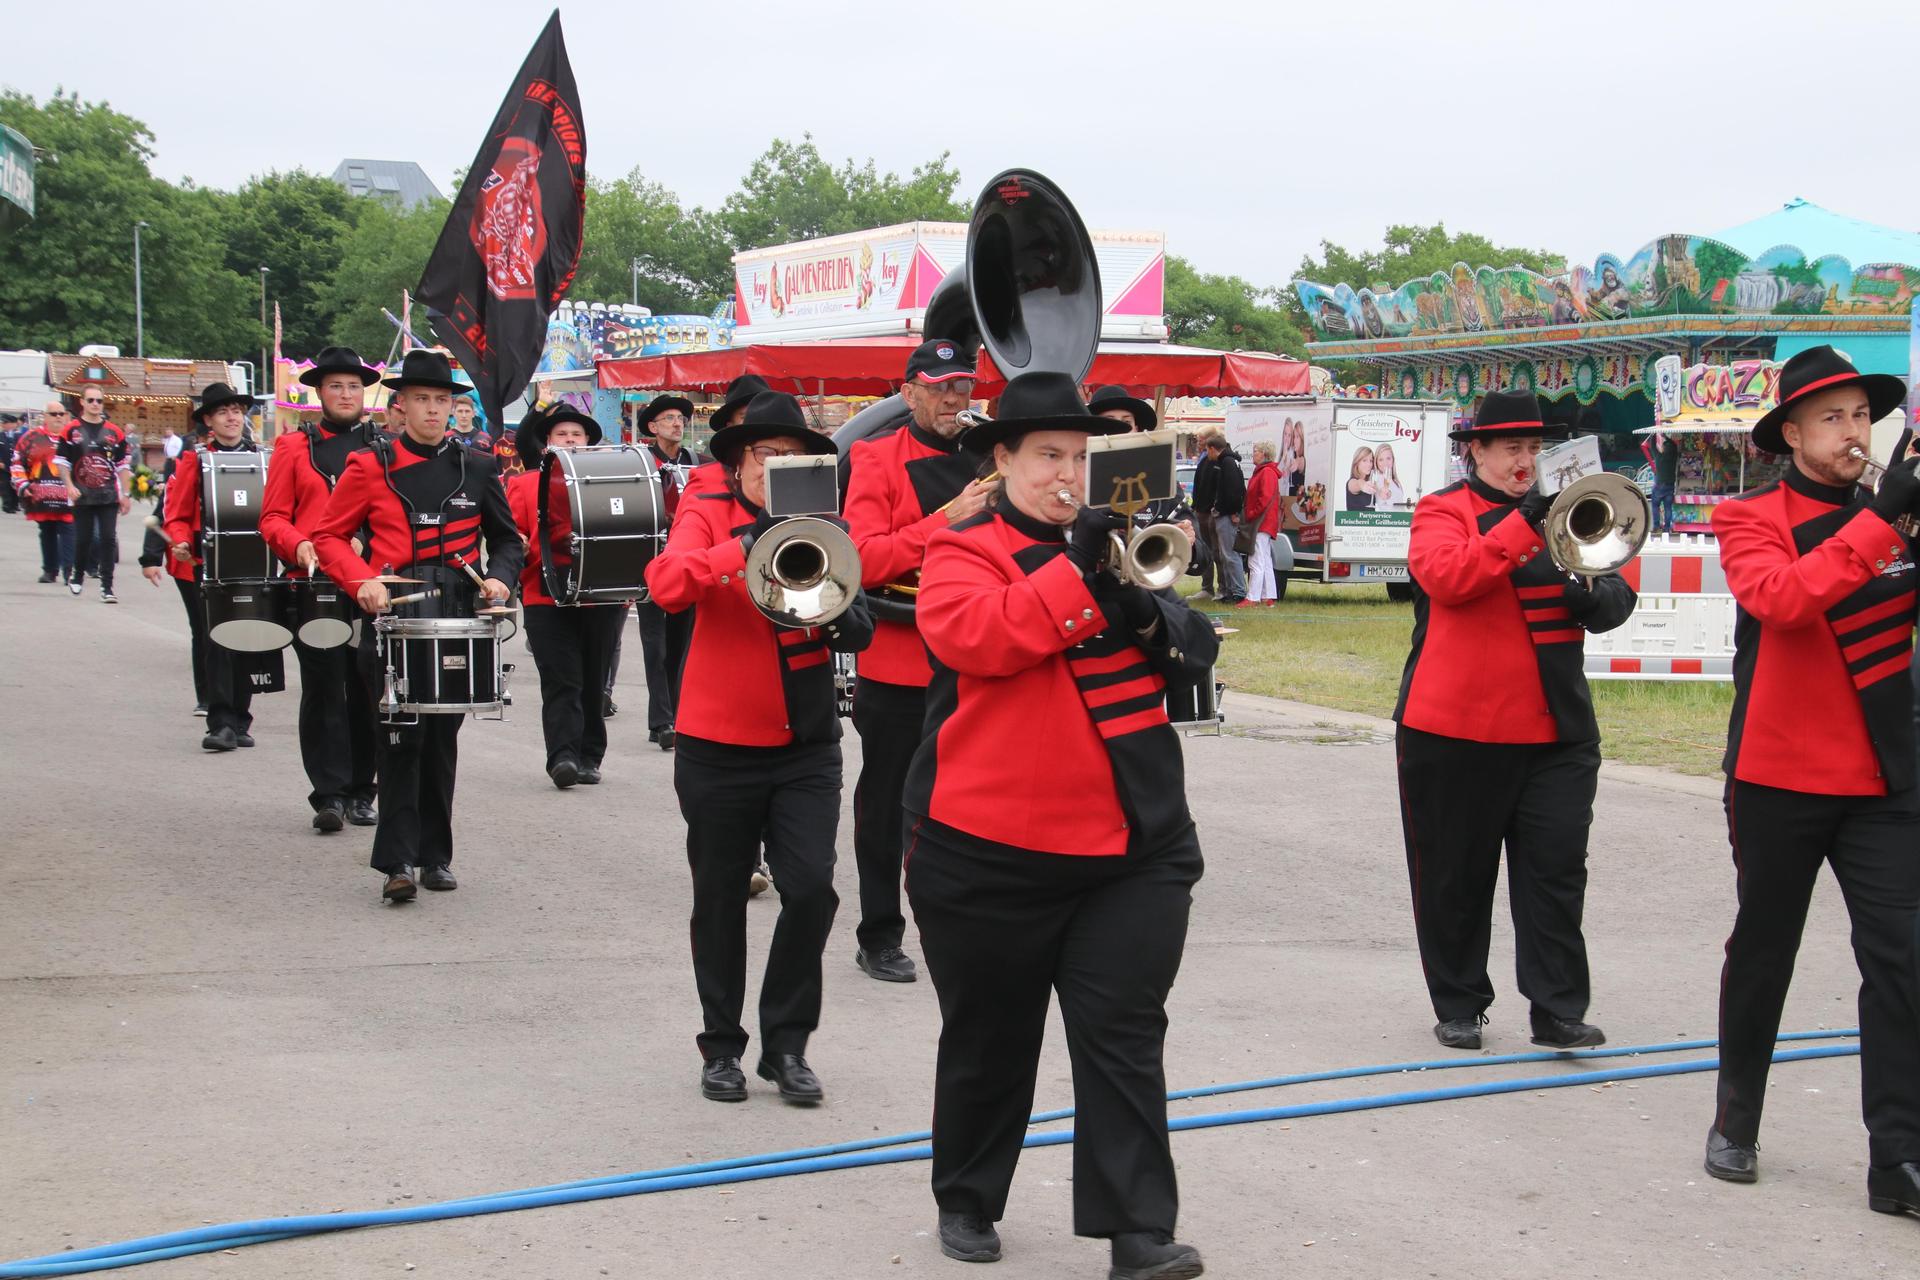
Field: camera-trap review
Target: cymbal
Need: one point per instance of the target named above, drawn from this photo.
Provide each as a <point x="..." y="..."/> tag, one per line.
<point x="394" y="577"/>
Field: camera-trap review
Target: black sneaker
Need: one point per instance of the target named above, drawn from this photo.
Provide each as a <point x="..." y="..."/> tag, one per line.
<point x="200" y="709"/>
<point x="1152" y="1255"/>
<point x="107" y="596"/>
<point x="46" y="577"/>
<point x="968" y="1237"/>
<point x="1460" y="1033"/>
<point x="886" y="964"/>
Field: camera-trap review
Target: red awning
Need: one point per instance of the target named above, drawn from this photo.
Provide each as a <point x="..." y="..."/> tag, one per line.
<point x="872" y="367"/>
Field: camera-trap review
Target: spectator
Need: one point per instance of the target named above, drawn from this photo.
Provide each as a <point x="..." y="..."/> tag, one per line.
<point x="34" y="475"/>
<point x="1663" y="451"/>
<point x="1263" y="514"/>
<point x="11" y="429"/>
<point x="97" y="471"/>
<point x="1206" y="490"/>
<point x="1230" y="495"/>
<point x="171" y="444"/>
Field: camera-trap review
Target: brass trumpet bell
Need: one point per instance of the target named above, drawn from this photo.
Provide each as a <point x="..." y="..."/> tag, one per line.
<point x="804" y="572"/>
<point x="1597" y="524"/>
<point x="1156" y="557"/>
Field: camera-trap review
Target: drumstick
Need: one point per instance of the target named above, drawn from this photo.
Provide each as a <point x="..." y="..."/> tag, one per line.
<point x="416" y="596"/>
<point x="477" y="581"/>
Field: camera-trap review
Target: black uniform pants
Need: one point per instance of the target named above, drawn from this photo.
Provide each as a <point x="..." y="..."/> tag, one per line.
<point x="890" y="719"/>
<point x="729" y="797"/>
<point x="197" y="637"/>
<point x="663" y="650"/>
<point x="571" y="646"/>
<point x="1002" y="930"/>
<point x="1780" y="839"/>
<point x="1459" y="802"/>
<point x="96" y="541"/>
<point x="416" y="764"/>
<point x="337" y="723"/>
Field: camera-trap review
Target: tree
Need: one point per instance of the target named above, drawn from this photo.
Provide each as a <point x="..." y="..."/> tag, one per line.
<point x="294" y="224"/>
<point x="1226" y="313"/>
<point x="66" y="278"/>
<point x="1411" y="253"/>
<point x="381" y="255"/>
<point x="684" y="256"/>
<point x="791" y="193"/>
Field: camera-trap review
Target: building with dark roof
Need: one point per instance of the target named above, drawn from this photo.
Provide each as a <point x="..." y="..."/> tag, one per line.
<point x="401" y="181"/>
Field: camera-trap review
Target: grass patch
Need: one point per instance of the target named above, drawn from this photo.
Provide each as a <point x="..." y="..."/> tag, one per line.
<point x="1345" y="647"/>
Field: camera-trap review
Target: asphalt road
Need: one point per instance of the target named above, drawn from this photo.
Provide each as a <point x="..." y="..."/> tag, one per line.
<point x="207" y="1014"/>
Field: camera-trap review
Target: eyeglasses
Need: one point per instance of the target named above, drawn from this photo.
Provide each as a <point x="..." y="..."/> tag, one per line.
<point x="93" y="400"/>
<point x="761" y="452"/>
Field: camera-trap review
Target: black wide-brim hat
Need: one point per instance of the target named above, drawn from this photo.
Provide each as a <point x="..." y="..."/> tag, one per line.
<point x="1117" y="398"/>
<point x="769" y="414"/>
<point x="217" y="394"/>
<point x="340" y="360"/>
<point x="426" y="369"/>
<point x="530" y="437"/>
<point x="1505" y="413"/>
<point x="1039" y="401"/>
<point x="1824" y="369"/>
<point x="661" y="404"/>
<point x="740" y="392"/>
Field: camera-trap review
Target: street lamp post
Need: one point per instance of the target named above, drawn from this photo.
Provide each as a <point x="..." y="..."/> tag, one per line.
<point x="139" y="303"/>
<point x="636" y="282"/>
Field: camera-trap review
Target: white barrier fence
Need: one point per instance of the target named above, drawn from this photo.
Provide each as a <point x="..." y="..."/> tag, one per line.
<point x="1682" y="627"/>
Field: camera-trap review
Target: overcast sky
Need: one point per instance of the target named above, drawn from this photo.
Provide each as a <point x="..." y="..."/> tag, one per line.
<point x="1248" y="131"/>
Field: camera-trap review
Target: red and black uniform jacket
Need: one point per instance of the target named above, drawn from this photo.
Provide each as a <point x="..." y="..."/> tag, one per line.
<point x="747" y="683"/>
<point x="1047" y="721"/>
<point x="676" y="474"/>
<point x="1822" y="641"/>
<point x="895" y="482"/>
<point x="419" y="507"/>
<point x="35" y="474"/>
<point x="1499" y="632"/>
<point x="306" y="465"/>
<point x="98" y="462"/>
<point x="184" y="514"/>
<point x="523" y="500"/>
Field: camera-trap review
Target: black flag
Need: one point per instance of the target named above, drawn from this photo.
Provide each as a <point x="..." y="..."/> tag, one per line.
<point x="511" y="245"/>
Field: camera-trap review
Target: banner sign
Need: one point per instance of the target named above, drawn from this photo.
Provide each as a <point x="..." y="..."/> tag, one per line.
<point x="579" y="335"/>
<point x="1301" y="436"/>
<point x="1376" y="470"/>
<point x="16" y="176"/>
<point x="1674" y="275"/>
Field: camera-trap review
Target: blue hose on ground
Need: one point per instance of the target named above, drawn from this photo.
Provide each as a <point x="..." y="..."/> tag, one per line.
<point x="871" y="1152"/>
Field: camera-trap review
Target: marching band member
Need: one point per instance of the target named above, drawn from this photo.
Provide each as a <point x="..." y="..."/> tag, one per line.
<point x="1820" y="757"/>
<point x="223" y="412"/>
<point x="1497" y="740"/>
<point x="571" y="644"/>
<point x="1050" y="846"/>
<point x="663" y="635"/>
<point x="425" y="501"/>
<point x="337" y="728"/>
<point x="758" y="752"/>
<point x="734" y="401"/>
<point x="903" y="488"/>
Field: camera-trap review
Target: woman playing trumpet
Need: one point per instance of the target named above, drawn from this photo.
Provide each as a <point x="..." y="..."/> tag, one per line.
<point x="1049" y="843"/>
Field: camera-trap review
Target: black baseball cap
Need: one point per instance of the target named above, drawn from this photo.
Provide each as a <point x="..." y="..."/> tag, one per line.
<point x="939" y="360"/>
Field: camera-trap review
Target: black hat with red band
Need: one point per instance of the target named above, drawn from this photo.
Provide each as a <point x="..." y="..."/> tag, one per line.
<point x="1502" y="414"/>
<point x="1824" y="369"/>
<point x="530" y="438"/>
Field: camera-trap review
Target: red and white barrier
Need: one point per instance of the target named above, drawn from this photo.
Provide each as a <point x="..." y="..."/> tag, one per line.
<point x="1682" y="627"/>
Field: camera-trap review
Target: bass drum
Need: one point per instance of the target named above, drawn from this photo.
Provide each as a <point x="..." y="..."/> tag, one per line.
<point x="603" y="518"/>
<point x="323" y="613"/>
<point x="247" y="617"/>
<point x="231" y="488"/>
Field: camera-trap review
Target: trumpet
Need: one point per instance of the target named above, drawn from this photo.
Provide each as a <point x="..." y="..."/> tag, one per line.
<point x="1597" y="524"/>
<point x="804" y="572"/>
<point x="1154" y="557"/>
<point x="1907" y="523"/>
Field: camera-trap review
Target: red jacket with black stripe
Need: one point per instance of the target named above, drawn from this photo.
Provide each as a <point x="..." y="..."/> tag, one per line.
<point x="894" y="482"/>
<point x="523" y="499"/>
<point x="306" y="465"/>
<point x="1499" y="632"/>
<point x="1823" y="701"/>
<point x="421" y="507"/>
<point x="746" y="683"/>
<point x="1047" y="720"/>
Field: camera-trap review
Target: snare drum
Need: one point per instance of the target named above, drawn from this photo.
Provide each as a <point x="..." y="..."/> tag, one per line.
<point x="323" y="613"/>
<point x="1196" y="705"/>
<point x="231" y="487"/>
<point x="439" y="666"/>
<point x="249" y="617"/>
<point x="603" y="517"/>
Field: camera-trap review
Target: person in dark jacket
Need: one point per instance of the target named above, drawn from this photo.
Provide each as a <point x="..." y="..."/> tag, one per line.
<point x="1223" y="513"/>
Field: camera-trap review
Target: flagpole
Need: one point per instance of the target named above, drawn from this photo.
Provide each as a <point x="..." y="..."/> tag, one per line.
<point x="406" y="322"/>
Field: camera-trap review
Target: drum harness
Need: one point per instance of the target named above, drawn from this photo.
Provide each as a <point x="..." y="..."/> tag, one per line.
<point x="436" y="575"/>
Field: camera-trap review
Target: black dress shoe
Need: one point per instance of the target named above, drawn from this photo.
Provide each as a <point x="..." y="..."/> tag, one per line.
<point x="399" y="888"/>
<point x="795" y="1079"/>
<point x="968" y="1237"/>
<point x="666" y="739"/>
<point x="1894" y="1188"/>
<point x="46" y="577"/>
<point x="1565" y="1033"/>
<point x="220" y="740"/>
<point x="243" y="739"/>
<point x="564" y="774"/>
<point x="1460" y="1033"/>
<point x="1152" y="1255"/>
<point x="1730" y="1161"/>
<point x="439" y="879"/>
<point x="886" y="964"/>
<point x="722" y="1080"/>
<point x="330" y="816"/>
<point x="589" y="775"/>
<point x="360" y="813"/>
<point x="608" y="708"/>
